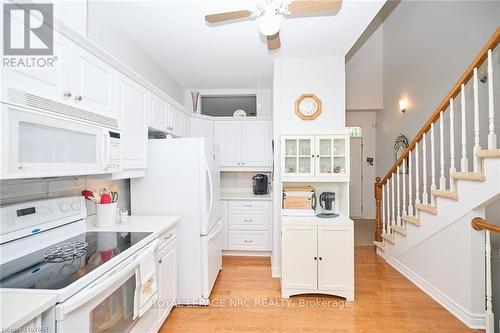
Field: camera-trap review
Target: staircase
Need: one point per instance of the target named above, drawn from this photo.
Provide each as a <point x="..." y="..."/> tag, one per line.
<point x="443" y="180"/>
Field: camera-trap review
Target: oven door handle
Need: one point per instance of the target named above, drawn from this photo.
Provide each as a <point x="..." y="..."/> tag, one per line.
<point x="107" y="282"/>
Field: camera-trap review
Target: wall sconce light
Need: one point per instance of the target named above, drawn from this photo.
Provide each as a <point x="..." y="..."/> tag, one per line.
<point x="403" y="105"/>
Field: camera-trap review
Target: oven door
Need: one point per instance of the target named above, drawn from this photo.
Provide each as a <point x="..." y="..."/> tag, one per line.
<point x="106" y="305"/>
<point x="38" y="144"/>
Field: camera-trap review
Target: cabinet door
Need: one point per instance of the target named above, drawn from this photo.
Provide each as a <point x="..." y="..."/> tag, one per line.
<point x="225" y="223"/>
<point x="298" y="156"/>
<point x="299" y="256"/>
<point x="336" y="258"/>
<point x="228" y="135"/>
<point x="157" y="113"/>
<point x="167" y="280"/>
<point x="175" y="121"/>
<point x="51" y="83"/>
<point x="256" y="143"/>
<point x="202" y="128"/>
<point x="132" y="103"/>
<point x="93" y="83"/>
<point x="324" y="155"/>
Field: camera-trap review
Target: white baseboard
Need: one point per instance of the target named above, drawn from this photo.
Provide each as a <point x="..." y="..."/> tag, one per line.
<point x="472" y="320"/>
<point x="276" y="272"/>
<point x="230" y="253"/>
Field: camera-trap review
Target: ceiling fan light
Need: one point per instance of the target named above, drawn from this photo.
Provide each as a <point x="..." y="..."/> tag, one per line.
<point x="269" y="24"/>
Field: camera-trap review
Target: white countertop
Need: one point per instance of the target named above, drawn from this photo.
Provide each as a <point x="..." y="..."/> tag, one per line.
<point x="340" y="220"/>
<point x="17" y="309"/>
<point x="155" y="224"/>
<point x="230" y="195"/>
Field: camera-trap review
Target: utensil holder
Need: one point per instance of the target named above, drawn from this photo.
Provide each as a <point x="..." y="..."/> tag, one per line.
<point x="105" y="215"/>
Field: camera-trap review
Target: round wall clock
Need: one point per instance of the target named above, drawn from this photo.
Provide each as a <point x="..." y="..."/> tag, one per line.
<point x="308" y="106"/>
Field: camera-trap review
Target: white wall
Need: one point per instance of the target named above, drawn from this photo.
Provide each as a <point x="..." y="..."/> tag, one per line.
<point x="264" y="98"/>
<point x="426" y="46"/>
<point x="324" y="77"/>
<point x="367" y="121"/>
<point x="101" y="32"/>
<point x="364" y="73"/>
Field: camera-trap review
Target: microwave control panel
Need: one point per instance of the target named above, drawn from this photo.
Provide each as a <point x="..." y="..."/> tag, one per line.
<point x="115" y="158"/>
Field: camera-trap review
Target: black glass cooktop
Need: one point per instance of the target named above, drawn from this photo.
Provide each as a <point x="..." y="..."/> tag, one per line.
<point x="59" y="265"/>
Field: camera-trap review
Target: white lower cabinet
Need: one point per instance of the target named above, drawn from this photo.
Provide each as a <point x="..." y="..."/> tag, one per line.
<point x="248" y="224"/>
<point x="225" y="223"/>
<point x="167" y="275"/>
<point x="318" y="258"/>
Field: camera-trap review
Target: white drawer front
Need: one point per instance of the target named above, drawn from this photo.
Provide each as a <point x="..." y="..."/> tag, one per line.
<point x="249" y="220"/>
<point x="248" y="205"/>
<point x="249" y="240"/>
<point x="167" y="237"/>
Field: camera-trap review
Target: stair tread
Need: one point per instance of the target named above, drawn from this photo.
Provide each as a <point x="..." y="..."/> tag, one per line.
<point x="411" y="219"/>
<point x="427" y="208"/>
<point x="379" y="245"/>
<point x="488" y="153"/>
<point x="445" y="194"/>
<point x="400" y="230"/>
<point x="389" y="238"/>
<point x="477" y="176"/>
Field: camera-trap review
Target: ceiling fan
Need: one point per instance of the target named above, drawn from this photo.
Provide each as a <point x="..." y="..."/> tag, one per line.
<point x="270" y="12"/>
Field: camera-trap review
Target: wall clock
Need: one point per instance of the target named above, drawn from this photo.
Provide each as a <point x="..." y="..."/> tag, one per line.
<point x="308" y="106"/>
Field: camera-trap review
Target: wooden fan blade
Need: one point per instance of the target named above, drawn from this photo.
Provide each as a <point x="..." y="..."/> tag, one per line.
<point x="306" y="6"/>
<point x="273" y="42"/>
<point x="214" y="18"/>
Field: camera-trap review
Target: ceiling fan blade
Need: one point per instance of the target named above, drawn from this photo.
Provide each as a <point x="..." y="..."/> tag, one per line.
<point x="214" y="18"/>
<point x="273" y="42"/>
<point x="306" y="6"/>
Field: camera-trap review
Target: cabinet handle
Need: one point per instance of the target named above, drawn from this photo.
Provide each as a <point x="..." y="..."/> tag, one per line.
<point x="67" y="94"/>
<point x="317" y="155"/>
<point x="248" y="205"/>
<point x="248" y="220"/>
<point x="320" y="258"/>
<point x="248" y="241"/>
<point x="78" y="98"/>
<point x="243" y="163"/>
<point x="168" y="237"/>
<point x="315" y="258"/>
<point x="160" y="261"/>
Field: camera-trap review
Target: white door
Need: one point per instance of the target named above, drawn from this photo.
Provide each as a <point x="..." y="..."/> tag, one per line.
<point x="212" y="186"/>
<point x="211" y="257"/>
<point x="300" y="262"/>
<point x="228" y="135"/>
<point x="132" y="104"/>
<point x="356" y="178"/>
<point x="335" y="258"/>
<point x="167" y="278"/>
<point x="256" y="143"/>
<point x="157" y="113"/>
<point x="93" y="83"/>
<point x="202" y="128"/>
<point x="298" y="155"/>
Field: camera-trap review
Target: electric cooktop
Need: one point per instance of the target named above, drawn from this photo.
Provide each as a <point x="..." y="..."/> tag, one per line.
<point x="59" y="265"/>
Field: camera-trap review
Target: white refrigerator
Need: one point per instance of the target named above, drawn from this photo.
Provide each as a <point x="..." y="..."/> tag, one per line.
<point x="183" y="179"/>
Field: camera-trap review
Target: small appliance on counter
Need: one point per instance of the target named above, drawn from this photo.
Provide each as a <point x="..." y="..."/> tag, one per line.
<point x="299" y="201"/>
<point x="327" y="203"/>
<point x="260" y="184"/>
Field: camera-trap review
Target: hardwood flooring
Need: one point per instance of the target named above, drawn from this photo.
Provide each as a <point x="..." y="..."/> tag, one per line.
<point x="385" y="302"/>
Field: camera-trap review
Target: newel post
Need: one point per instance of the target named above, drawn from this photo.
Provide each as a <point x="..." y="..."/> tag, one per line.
<point x="378" y="211"/>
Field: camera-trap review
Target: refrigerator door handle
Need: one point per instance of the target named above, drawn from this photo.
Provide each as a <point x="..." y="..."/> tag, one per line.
<point x="211" y="187"/>
<point x="216" y="231"/>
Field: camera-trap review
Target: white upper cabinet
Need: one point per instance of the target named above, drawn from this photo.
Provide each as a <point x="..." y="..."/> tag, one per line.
<point x="202" y="128"/>
<point x="93" y="83"/>
<point x="158" y="116"/>
<point x="228" y="135"/>
<point x="175" y="123"/>
<point x="256" y="143"/>
<point x="133" y="107"/>
<point x="245" y="143"/>
<point x="319" y="157"/>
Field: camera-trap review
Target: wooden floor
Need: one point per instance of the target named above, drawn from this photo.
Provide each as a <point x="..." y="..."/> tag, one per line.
<point x="385" y="302"/>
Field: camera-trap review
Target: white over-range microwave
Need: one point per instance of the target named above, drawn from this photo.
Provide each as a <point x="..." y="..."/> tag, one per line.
<point x="46" y="144"/>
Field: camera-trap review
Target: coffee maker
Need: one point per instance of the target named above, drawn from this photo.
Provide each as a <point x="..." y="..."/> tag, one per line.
<point x="327" y="203"/>
<point x="260" y="184"/>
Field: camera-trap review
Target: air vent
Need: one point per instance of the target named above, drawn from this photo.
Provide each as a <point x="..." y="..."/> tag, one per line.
<point x="33" y="101"/>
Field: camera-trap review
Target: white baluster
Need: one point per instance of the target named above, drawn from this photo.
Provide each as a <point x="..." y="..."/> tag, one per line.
<point x="398" y="216"/>
<point x="393" y="220"/>
<point x="410" y="192"/>
<point x="433" y="159"/>
<point x="417" y="178"/>
<point x="442" y="180"/>
<point x="452" y="145"/>
<point x="384" y="199"/>
<point x="477" y="146"/>
<point x="403" y="212"/>
<point x="464" y="163"/>
<point x="425" y="196"/>
<point x="492" y="137"/>
<point x="489" y="317"/>
<point x="388" y="202"/>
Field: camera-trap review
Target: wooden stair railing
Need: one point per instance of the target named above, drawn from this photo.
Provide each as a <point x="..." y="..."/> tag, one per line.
<point x="388" y="212"/>
<point x="479" y="224"/>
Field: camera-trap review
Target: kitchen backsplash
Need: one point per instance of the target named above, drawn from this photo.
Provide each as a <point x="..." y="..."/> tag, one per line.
<point x="14" y="191"/>
<point x="239" y="180"/>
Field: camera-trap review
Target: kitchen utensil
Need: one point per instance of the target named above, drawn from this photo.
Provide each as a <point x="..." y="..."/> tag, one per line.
<point x="114" y="196"/>
<point x="106" y="198"/>
<point x="105" y="215"/>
